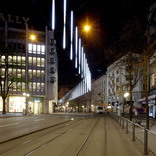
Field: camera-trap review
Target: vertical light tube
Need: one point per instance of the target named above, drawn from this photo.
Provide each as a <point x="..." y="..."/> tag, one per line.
<point x="82" y="62"/>
<point x="79" y="55"/>
<point x="53" y="15"/>
<point x="64" y="27"/>
<point x="76" y="46"/>
<point x="71" y="33"/>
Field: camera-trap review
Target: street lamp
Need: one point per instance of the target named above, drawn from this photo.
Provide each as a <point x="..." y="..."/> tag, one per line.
<point x="126" y="95"/>
<point x="87" y="28"/>
<point x="32" y="37"/>
<point x="26" y="95"/>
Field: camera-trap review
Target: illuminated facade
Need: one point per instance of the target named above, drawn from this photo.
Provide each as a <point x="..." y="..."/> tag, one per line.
<point x="36" y="64"/>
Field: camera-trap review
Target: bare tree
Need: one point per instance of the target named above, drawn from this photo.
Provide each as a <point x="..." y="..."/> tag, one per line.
<point x="131" y="70"/>
<point x="7" y="79"/>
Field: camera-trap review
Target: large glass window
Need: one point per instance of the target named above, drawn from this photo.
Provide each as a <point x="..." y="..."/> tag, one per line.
<point x="23" y="86"/>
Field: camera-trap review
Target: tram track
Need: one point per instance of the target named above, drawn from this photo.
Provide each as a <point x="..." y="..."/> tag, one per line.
<point x="27" y="141"/>
<point x="57" y="127"/>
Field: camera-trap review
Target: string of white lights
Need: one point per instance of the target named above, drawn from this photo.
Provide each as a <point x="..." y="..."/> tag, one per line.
<point x="76" y="45"/>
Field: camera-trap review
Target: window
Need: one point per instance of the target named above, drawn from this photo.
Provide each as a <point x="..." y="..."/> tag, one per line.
<point x="23" y="86"/>
<point x="34" y="48"/>
<point x="23" y="73"/>
<point x="42" y="87"/>
<point x="38" y="49"/>
<point x="42" y="74"/>
<point x="14" y="72"/>
<point x="10" y="59"/>
<point x="18" y="73"/>
<point x="34" y="61"/>
<point x="34" y="74"/>
<point x="42" y="62"/>
<point x="34" y="86"/>
<point x="3" y="59"/>
<point x="19" y="60"/>
<point x="38" y="62"/>
<point x="38" y="87"/>
<point x="30" y="61"/>
<point x="30" y="48"/>
<point x="38" y="74"/>
<point x="30" y="74"/>
<point x="30" y="86"/>
<point x="19" y="86"/>
<point x="23" y="61"/>
<point x="42" y="49"/>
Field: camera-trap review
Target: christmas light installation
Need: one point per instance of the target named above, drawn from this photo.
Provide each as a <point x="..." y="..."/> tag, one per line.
<point x="71" y="33"/>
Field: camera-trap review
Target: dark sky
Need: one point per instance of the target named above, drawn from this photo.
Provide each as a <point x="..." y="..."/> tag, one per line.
<point x="106" y="17"/>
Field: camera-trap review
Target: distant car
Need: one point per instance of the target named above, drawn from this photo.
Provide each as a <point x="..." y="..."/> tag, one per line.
<point x="99" y="109"/>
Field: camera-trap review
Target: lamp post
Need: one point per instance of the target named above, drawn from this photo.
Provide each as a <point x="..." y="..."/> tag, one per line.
<point x="125" y="95"/>
<point x="26" y="103"/>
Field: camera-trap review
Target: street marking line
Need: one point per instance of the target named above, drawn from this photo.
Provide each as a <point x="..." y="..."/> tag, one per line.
<point x="10" y="125"/>
<point x="39" y="119"/>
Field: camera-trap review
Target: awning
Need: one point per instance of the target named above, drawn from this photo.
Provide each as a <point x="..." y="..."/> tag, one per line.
<point x="149" y="97"/>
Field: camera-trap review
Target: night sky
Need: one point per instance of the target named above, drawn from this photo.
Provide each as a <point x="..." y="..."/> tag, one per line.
<point x="107" y="19"/>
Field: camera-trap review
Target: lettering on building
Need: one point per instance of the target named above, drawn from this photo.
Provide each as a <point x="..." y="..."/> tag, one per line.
<point x="14" y="19"/>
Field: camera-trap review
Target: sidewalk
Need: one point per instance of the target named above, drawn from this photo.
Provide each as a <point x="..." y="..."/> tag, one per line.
<point x="8" y="114"/>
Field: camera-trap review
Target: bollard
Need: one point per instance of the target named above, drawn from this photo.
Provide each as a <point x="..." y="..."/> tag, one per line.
<point x="133" y="132"/>
<point x="145" y="141"/>
<point x="123" y="123"/>
<point x="126" y="127"/>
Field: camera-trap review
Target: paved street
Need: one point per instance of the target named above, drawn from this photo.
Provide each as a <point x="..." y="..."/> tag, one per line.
<point x="65" y="135"/>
